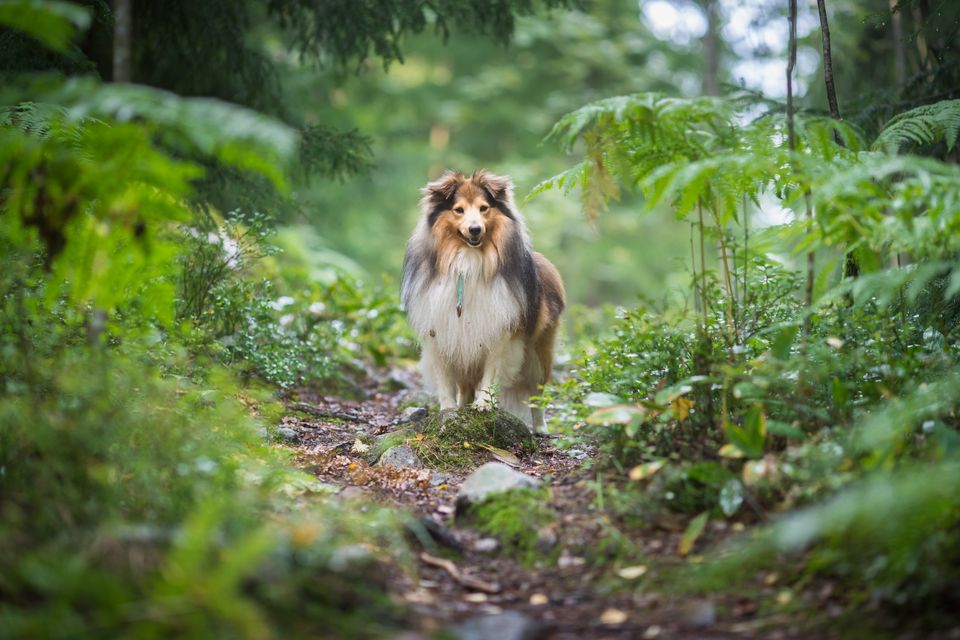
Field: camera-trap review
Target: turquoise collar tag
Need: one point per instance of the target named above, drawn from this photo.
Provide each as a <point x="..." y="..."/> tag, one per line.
<point x="459" y="295"/>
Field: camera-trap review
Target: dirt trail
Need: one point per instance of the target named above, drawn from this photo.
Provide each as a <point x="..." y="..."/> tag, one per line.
<point x="568" y="597"/>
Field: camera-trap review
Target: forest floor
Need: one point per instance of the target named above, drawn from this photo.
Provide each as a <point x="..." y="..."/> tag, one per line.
<point x="581" y="586"/>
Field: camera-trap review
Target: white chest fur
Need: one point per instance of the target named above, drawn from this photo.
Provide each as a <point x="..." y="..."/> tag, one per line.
<point x="490" y="312"/>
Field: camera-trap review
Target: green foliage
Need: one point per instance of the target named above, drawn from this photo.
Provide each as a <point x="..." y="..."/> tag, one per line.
<point x="51" y="23"/>
<point x="921" y="126"/>
<point x="844" y="411"/>
<point x="342" y="31"/>
<point x="155" y="511"/>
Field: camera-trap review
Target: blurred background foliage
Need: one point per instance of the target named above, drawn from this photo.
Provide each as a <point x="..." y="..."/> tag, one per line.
<point x="181" y="251"/>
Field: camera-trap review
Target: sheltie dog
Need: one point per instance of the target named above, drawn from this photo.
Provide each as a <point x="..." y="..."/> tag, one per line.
<point x="483" y="303"/>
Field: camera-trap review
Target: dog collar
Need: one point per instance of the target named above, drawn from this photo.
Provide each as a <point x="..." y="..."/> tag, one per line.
<point x="459" y="295"/>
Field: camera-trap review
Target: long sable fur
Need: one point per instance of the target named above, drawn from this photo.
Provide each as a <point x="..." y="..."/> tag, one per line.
<point x="515" y="256"/>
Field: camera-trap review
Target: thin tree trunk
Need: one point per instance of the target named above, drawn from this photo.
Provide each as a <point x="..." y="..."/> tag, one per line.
<point x="899" y="54"/>
<point x="792" y="141"/>
<point x="122" y="27"/>
<point x="711" y="50"/>
<point x="791" y="64"/>
<point x="828" y="64"/>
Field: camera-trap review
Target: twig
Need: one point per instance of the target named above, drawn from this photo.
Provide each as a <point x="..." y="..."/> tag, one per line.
<point x="323" y="413"/>
<point x="467" y="581"/>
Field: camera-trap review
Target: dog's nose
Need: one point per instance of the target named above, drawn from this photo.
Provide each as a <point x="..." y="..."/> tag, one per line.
<point x="475" y="230"/>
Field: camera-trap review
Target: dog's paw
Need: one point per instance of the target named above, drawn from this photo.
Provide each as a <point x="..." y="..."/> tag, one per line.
<point x="483" y="404"/>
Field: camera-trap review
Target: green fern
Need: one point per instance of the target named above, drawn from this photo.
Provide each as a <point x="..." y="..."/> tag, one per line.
<point x="921" y="126"/>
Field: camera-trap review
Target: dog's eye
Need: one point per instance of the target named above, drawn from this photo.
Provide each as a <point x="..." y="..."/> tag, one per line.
<point x="483" y="208"/>
<point x="459" y="209"/>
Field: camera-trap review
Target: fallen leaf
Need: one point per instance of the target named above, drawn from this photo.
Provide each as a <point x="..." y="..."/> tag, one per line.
<point x="502" y="455"/>
<point x="632" y="573"/>
<point x="539" y="599"/>
<point x="359" y="447"/>
<point x="694" y="529"/>
<point x="476" y="598"/>
<point x="613" y="616"/>
<point x="645" y="470"/>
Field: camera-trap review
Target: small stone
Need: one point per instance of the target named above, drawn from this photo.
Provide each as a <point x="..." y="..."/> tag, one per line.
<point x="613" y="617"/>
<point x="491" y="479"/>
<point x="509" y="625"/>
<point x="412" y="414"/>
<point x="401" y="456"/>
<point x="344" y="557"/>
<point x="353" y="492"/>
<point x="438" y="478"/>
<point x="567" y="561"/>
<point x="576" y="454"/>
<point x="539" y="599"/>
<point x="699" y="613"/>
<point x="486" y="545"/>
<point x="288" y="435"/>
<point x="546" y="540"/>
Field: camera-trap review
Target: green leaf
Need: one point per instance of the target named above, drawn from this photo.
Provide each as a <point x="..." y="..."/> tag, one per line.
<point x="616" y="414"/>
<point x="598" y="399"/>
<point x="693" y="531"/>
<point x="52" y="23"/>
<point x="780" y="349"/>
<point x="778" y="428"/>
<point x="751" y="437"/>
<point x="731" y="497"/>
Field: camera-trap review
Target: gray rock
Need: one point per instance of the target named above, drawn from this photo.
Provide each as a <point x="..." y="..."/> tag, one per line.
<point x="509" y="625"/>
<point x="401" y="456"/>
<point x="263" y="433"/>
<point x="412" y="414"/>
<point x="288" y="435"/>
<point x="491" y="479"/>
<point x="486" y="545"/>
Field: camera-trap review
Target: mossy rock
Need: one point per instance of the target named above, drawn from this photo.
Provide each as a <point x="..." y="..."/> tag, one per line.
<point x="519" y="519"/>
<point x="451" y="440"/>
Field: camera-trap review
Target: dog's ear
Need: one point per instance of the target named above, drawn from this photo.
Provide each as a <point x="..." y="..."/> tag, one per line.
<point x="443" y="189"/>
<point x="500" y="187"/>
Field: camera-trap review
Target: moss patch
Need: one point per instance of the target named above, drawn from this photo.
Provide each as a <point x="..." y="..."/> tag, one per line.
<point x="457" y="439"/>
<point x="516" y="518"/>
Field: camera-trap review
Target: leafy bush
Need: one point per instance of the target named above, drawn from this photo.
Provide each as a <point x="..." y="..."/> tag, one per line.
<point x="135" y="506"/>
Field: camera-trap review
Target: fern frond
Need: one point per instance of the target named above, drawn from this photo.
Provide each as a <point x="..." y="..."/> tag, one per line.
<point x="923" y="125"/>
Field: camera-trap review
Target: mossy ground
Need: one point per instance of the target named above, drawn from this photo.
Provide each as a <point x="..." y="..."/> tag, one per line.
<point x="451" y="440"/>
<point x="516" y="518"/>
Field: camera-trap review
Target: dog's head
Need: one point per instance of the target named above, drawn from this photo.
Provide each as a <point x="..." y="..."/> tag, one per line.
<point x="468" y="210"/>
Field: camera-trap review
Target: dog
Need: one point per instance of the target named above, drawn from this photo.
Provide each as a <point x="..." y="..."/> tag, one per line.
<point x="484" y="305"/>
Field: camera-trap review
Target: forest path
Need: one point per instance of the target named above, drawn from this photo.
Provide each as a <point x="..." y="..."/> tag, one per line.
<point x="574" y="592"/>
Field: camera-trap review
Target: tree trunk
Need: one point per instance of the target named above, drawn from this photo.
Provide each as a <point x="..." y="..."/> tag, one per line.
<point x="899" y="54"/>
<point x="711" y="50"/>
<point x="828" y="63"/>
<point x="122" y="27"/>
<point x="791" y="63"/>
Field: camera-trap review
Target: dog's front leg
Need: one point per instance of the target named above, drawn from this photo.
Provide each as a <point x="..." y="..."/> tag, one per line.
<point x="499" y="371"/>
<point x="439" y="376"/>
